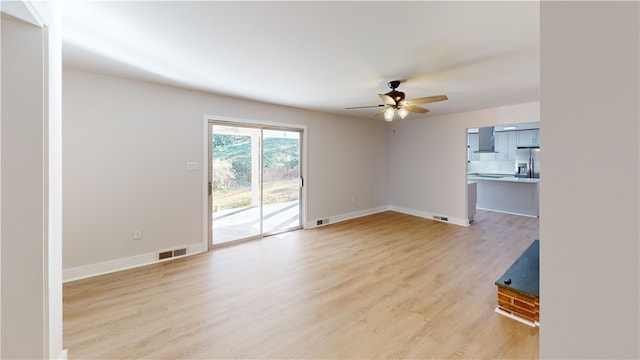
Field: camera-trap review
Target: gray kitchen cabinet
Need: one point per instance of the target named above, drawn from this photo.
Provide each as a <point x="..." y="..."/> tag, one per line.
<point x="472" y="142"/>
<point x="528" y="138"/>
<point x="506" y="145"/>
<point x="513" y="145"/>
<point x="501" y="146"/>
<point x="471" y="200"/>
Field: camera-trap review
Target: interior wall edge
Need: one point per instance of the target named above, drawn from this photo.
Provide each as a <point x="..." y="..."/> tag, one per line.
<point x="590" y="194"/>
<point x="430" y="215"/>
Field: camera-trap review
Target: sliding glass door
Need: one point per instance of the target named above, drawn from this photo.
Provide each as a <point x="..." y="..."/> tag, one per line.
<point x="254" y="180"/>
<point x="281" y="183"/>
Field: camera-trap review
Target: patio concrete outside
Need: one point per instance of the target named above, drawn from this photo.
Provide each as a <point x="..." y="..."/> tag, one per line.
<point x="241" y="223"/>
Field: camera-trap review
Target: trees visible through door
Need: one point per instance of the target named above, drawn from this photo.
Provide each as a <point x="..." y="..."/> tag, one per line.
<point x="255" y="182"/>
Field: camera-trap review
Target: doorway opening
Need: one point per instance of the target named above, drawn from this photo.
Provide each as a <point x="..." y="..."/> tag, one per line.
<point x="255" y="182"/>
<point x="503" y="169"/>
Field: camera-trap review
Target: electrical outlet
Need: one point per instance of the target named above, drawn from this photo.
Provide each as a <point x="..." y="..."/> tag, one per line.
<point x="137" y="234"/>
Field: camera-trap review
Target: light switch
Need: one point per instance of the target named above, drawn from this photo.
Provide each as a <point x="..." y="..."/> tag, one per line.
<point x="193" y="166"/>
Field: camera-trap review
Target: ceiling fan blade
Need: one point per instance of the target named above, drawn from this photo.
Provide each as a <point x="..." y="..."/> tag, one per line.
<point x="415" y="109"/>
<point x="387" y="99"/>
<point x="428" y="99"/>
<point x="363" y="107"/>
<point x="381" y="111"/>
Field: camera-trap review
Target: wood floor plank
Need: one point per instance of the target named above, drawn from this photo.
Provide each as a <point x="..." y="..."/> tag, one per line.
<point x="387" y="285"/>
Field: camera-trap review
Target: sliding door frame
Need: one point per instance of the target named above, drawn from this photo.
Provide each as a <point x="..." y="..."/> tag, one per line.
<point x="207" y="228"/>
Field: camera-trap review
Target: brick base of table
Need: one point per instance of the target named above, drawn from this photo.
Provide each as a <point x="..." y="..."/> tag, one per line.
<point x="518" y="288"/>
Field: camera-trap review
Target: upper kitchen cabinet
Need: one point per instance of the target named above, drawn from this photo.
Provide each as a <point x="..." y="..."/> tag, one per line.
<point x="472" y="147"/>
<point x="505" y="142"/>
<point x="528" y="138"/>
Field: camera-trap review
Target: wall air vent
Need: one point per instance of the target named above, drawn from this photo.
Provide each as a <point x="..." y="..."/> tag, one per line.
<point x="180" y="252"/>
<point x="171" y="253"/>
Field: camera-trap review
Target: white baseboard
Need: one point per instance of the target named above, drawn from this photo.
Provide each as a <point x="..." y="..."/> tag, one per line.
<point x="348" y="216"/>
<point x="64" y="355"/>
<point x="85" y="271"/>
<point x="110" y="266"/>
<point x="430" y="215"/>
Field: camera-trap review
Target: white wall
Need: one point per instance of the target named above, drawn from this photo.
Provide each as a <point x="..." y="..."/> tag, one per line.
<point x="429" y="159"/>
<point x="589" y="224"/>
<point x="30" y="233"/>
<point x="126" y="144"/>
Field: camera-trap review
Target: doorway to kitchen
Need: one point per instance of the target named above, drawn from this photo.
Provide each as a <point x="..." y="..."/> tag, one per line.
<point x="503" y="169"/>
<point x="255" y="182"/>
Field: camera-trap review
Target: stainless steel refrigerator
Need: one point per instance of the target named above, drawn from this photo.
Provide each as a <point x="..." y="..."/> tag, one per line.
<point x="528" y="162"/>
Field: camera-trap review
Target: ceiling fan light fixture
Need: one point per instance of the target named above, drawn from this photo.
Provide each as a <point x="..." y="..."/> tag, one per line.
<point x="388" y="114"/>
<point x="403" y="113"/>
<point x="394" y="100"/>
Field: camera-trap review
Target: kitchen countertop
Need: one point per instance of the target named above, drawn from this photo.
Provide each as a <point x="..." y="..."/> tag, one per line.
<point x="509" y="178"/>
<point x="524" y="274"/>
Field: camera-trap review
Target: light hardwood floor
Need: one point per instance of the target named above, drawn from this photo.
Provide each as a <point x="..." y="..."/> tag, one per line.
<point x="383" y="286"/>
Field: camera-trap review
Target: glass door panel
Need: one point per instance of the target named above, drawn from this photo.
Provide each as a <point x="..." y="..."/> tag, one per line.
<point x="281" y="180"/>
<point x="235" y="183"/>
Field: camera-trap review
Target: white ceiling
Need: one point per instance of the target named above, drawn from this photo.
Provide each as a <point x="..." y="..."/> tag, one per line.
<point x="317" y="55"/>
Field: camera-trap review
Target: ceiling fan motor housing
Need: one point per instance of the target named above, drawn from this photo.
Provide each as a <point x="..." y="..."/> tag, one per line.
<point x="395" y="100"/>
<point x="396" y="95"/>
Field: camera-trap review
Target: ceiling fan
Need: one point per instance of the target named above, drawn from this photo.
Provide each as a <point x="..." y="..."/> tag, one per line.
<point x="394" y="101"/>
